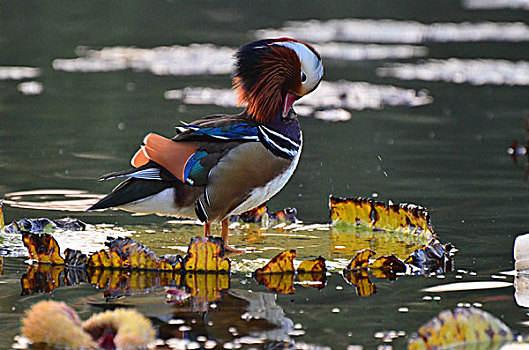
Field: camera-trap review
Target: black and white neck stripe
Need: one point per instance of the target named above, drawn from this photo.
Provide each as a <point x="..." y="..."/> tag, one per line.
<point x="279" y="144"/>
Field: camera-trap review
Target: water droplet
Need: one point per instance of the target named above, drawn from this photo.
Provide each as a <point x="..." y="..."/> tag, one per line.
<point x="176" y="321"/>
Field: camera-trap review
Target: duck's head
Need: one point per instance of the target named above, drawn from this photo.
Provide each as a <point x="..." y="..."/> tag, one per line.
<point x="271" y="74"/>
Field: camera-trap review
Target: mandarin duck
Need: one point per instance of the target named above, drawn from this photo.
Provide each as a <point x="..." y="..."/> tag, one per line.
<point x="222" y="165"/>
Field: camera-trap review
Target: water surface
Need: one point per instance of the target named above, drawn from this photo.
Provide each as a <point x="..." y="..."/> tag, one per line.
<point x="448" y="155"/>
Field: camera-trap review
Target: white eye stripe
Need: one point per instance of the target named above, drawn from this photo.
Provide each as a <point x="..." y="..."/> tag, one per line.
<point x="311" y="65"/>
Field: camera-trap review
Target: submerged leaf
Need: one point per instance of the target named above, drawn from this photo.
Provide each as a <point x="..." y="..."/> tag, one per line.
<point x="206" y="254"/>
<point x="460" y="326"/>
<point x="408" y="218"/>
<point x="361" y="260"/>
<point x="281" y="263"/>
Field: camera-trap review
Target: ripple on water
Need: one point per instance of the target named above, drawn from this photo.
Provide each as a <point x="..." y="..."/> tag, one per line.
<point x="394" y="31"/>
<point x="456" y="70"/>
<point x="330" y="96"/>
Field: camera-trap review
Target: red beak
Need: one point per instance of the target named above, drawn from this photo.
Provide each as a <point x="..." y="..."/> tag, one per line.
<point x="289" y="101"/>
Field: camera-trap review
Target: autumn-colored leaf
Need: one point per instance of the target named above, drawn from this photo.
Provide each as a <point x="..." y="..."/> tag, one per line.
<point x="2" y="224"/>
<point x="42" y="248"/>
<point x="313" y="265"/>
<point x="100" y="259"/>
<point x="255" y="215"/>
<point x="408" y="218"/>
<point x="206" y="254"/>
<point x="281" y="263"/>
<point x="284" y="215"/>
<point x="277" y="282"/>
<point x="75" y="258"/>
<point x="127" y="253"/>
<point x="361" y="260"/>
<point x="460" y="326"/>
<point x="390" y="262"/>
<point x="432" y="256"/>
<point x="360" y="279"/>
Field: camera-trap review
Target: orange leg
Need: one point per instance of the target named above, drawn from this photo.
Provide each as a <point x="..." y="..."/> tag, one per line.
<point x="225" y="237"/>
<point x="207" y="229"/>
<point x="225" y="231"/>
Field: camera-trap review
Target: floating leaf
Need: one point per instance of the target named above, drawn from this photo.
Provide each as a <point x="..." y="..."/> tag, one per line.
<point x="206" y="254"/>
<point x="281" y="263"/>
<point x="255" y="215"/>
<point x="261" y="215"/>
<point x="75" y="258"/>
<point x="390" y="262"/>
<point x="361" y="260"/>
<point x="100" y="259"/>
<point x="408" y="218"/>
<point x="284" y="215"/>
<point x="433" y="256"/>
<point x="1" y="214"/>
<point x="45" y="225"/>
<point x="277" y="282"/>
<point x="315" y="265"/>
<point x="360" y="279"/>
<point x="460" y="326"/>
<point x="206" y="287"/>
<point x="42" y="248"/>
<point x="128" y="253"/>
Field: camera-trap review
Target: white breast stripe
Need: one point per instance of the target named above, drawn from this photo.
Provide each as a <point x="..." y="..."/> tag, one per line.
<point x="287" y="151"/>
<point x="280" y="135"/>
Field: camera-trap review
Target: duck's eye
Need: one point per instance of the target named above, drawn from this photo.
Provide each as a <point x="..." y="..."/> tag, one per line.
<point x="303" y="76"/>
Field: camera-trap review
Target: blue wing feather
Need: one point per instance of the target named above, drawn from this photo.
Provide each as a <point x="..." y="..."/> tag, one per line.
<point x="232" y="131"/>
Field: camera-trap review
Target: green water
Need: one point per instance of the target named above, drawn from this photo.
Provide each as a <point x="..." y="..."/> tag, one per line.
<point x="449" y="156"/>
